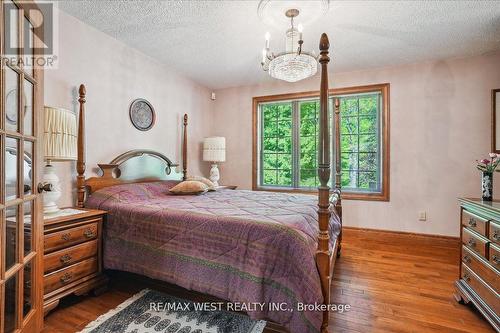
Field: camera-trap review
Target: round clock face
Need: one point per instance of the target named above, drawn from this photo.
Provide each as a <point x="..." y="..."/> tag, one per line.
<point x="142" y="114"/>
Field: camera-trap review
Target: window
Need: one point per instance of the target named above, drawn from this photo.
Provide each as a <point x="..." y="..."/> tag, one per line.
<point x="286" y="134"/>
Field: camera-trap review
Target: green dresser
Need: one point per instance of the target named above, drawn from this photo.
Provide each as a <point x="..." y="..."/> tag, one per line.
<point x="479" y="279"/>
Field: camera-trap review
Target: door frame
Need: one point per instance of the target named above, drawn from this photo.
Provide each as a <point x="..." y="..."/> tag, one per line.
<point x="33" y="322"/>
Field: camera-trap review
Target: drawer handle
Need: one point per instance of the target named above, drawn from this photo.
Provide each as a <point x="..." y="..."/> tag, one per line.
<point x="466" y="277"/>
<point x="89" y="233"/>
<point x="66" y="237"/>
<point x="472" y="222"/>
<point x="495" y="235"/>
<point x="496" y="259"/>
<point x="66" y="277"/>
<point x="467" y="259"/>
<point x="471" y="243"/>
<point x="65" y="258"/>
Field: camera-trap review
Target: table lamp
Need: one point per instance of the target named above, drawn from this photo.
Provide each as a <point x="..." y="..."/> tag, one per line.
<point x="214" y="150"/>
<point x="60" y="144"/>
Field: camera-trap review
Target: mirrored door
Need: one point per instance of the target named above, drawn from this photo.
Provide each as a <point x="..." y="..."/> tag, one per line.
<point x="20" y="219"/>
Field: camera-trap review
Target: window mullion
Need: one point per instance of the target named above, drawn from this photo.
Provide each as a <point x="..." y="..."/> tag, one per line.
<point x="295" y="144"/>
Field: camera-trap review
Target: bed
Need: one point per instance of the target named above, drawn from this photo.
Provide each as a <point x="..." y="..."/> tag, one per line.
<point x="241" y="246"/>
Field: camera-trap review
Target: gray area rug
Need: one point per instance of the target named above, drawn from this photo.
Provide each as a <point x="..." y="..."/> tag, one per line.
<point x="170" y="315"/>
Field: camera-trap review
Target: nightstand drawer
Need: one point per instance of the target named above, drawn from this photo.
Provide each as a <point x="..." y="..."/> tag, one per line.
<point x="495" y="256"/>
<point x="486" y="293"/>
<point x="69" y="256"/>
<point x="494" y="235"/>
<point x="475" y="242"/>
<point x="474" y="222"/>
<point x="482" y="268"/>
<point x="69" y="275"/>
<point x="71" y="236"/>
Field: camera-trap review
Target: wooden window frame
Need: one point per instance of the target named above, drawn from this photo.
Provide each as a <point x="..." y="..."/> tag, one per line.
<point x="383" y="89"/>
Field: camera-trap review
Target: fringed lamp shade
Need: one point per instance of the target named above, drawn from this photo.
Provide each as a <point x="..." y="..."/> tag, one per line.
<point x="214" y="149"/>
<point x="60" y="134"/>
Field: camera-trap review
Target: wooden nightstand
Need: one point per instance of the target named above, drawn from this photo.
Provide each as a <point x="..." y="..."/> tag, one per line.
<point x="72" y="255"/>
<point x="227" y="187"/>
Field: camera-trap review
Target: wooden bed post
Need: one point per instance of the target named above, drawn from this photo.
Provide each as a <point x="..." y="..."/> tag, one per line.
<point x="338" y="173"/>
<point x="184" y="148"/>
<point x="323" y="253"/>
<point x="80" y="163"/>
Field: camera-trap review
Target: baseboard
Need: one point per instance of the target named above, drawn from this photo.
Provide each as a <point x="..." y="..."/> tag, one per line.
<point x="405" y="233"/>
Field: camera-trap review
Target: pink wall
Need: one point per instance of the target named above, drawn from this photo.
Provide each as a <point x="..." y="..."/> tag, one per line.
<point x="440" y="123"/>
<point x="114" y="75"/>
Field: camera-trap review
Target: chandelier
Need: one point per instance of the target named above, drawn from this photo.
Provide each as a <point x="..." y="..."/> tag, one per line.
<point x="294" y="64"/>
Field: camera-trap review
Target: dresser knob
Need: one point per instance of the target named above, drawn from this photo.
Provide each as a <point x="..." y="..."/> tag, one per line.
<point x="65" y="258"/>
<point x="467" y="259"/>
<point x="66" y="237"/>
<point x="472" y="222"/>
<point x="495" y="259"/>
<point x="66" y="277"/>
<point x="471" y="243"/>
<point x="495" y="235"/>
<point x="466" y="277"/>
<point x="89" y="233"/>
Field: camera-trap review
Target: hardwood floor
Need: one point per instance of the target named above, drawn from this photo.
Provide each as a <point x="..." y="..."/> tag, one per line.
<point x="393" y="282"/>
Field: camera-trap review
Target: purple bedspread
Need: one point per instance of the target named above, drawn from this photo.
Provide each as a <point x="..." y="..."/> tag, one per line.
<point x="241" y="246"/>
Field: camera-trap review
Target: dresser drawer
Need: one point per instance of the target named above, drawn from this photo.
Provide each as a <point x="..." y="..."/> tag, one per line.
<point x="68" y="237"/>
<point x="494" y="235"/>
<point x="495" y="256"/>
<point x="69" y="256"/>
<point x="475" y="242"/>
<point x="482" y="268"/>
<point x="474" y="222"/>
<point x="68" y="275"/>
<point x="488" y="295"/>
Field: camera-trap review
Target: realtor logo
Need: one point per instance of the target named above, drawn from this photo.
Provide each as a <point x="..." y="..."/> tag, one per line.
<point x="37" y="46"/>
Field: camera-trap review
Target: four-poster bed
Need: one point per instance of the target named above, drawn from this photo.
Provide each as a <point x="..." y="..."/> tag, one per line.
<point x="128" y="179"/>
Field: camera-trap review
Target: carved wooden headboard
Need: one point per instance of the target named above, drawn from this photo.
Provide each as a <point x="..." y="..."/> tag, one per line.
<point x="134" y="166"/>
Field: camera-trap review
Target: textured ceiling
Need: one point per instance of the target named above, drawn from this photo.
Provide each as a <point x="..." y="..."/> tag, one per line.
<point x="219" y="43"/>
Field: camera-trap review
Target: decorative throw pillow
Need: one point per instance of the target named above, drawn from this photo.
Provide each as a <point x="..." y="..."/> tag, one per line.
<point x="192" y="187"/>
<point x="211" y="186"/>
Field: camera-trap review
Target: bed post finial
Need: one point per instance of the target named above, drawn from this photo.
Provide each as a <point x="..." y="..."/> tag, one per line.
<point x="80" y="163"/>
<point x="184" y="149"/>
<point x="323" y="253"/>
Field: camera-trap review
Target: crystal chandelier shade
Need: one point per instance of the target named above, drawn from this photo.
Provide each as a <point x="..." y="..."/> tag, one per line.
<point x="294" y="64"/>
<point x="292" y="67"/>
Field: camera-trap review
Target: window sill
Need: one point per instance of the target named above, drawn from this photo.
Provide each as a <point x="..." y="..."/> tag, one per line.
<point x="365" y="196"/>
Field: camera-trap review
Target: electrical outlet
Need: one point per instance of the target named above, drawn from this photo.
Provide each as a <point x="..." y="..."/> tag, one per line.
<point x="422" y="216"/>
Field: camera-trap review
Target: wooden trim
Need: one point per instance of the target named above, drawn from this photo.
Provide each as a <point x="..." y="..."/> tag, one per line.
<point x="383" y="88"/>
<point x="405" y="233"/>
<point x="493" y="120"/>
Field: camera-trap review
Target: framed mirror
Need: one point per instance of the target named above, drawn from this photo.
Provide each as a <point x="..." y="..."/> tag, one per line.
<point x="495" y="121"/>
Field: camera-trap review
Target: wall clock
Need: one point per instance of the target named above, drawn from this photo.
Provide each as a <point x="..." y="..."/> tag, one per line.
<point x="142" y="114"/>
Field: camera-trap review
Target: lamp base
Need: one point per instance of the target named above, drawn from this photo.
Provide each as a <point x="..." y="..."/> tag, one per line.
<point x="214" y="174"/>
<point x="50" y="197"/>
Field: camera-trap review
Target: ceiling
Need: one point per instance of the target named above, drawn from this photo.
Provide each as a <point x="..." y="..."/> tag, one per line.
<point x="219" y="43"/>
